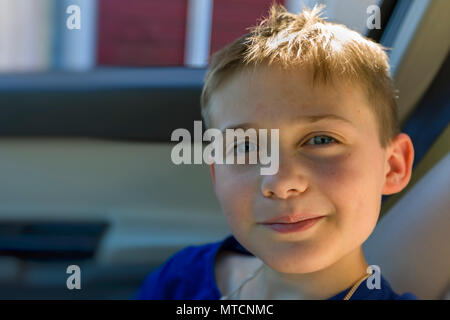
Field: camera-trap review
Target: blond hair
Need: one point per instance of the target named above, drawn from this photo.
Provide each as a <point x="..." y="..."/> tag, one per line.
<point x="305" y="39"/>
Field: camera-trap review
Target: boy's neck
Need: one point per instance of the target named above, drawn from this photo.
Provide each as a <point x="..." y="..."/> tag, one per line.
<point x="321" y="284"/>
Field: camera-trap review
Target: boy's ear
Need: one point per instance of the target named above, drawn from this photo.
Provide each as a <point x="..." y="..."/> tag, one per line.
<point x="213" y="174"/>
<point x="400" y="157"/>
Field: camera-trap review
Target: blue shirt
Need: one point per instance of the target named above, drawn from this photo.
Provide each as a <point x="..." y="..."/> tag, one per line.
<point x="189" y="275"/>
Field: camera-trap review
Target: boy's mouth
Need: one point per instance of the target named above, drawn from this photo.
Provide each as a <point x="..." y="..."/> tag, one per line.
<point x="292" y="218"/>
<point x="298" y="226"/>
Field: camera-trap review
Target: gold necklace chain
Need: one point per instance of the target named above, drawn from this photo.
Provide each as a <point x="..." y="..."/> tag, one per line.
<point x="238" y="289"/>
<point x="355" y="286"/>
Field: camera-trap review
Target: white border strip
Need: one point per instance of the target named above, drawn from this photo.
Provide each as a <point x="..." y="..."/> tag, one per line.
<point x="79" y="47"/>
<point x="198" y="33"/>
<point x="294" y="6"/>
<point x="406" y="31"/>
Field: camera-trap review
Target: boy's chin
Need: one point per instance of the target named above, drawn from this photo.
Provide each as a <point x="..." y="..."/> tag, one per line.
<point x="300" y="264"/>
<point x="301" y="268"/>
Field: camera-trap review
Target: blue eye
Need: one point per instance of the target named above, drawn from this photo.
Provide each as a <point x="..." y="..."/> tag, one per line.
<point x="320" y="140"/>
<point x="246" y="146"/>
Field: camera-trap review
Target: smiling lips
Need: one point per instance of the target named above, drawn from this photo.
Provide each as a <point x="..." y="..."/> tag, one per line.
<point x="292" y="223"/>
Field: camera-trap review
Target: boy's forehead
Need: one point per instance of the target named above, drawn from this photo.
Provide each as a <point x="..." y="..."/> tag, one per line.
<point x="271" y="96"/>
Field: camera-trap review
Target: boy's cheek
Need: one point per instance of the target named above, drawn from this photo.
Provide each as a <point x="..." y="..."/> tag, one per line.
<point x="235" y="175"/>
<point x="349" y="184"/>
<point x="236" y="194"/>
<point x="354" y="192"/>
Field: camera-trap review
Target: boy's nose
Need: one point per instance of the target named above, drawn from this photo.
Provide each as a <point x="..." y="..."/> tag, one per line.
<point x="287" y="182"/>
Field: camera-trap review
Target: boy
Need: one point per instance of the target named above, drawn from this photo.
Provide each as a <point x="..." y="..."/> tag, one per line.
<point x="297" y="234"/>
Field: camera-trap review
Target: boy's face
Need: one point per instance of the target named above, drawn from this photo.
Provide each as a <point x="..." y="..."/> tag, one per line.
<point x="342" y="181"/>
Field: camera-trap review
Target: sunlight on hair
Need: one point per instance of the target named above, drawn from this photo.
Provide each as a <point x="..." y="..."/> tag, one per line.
<point x="332" y="51"/>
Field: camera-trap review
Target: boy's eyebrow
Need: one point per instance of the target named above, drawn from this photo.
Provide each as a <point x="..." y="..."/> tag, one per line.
<point x="307" y="119"/>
